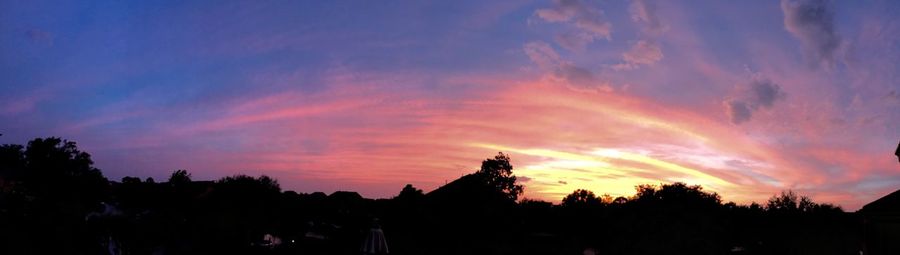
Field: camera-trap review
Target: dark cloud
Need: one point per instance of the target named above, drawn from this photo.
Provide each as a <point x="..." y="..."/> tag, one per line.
<point x="812" y="22"/>
<point x="737" y="111"/>
<point x="562" y="182"/>
<point x="523" y="179"/>
<point x="750" y="97"/>
<point x="765" y="92"/>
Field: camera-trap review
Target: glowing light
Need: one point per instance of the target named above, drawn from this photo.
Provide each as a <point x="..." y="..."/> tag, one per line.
<point x="606" y="169"/>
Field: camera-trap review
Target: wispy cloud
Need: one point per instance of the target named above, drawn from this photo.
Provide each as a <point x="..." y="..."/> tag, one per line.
<point x="591" y="94"/>
<point x="641" y="53"/>
<point x="646" y="51"/>
<point x="644" y="12"/>
<point x="566" y="72"/>
<point x="586" y="18"/>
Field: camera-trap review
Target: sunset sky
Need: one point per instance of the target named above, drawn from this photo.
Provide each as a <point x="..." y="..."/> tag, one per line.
<point x="745" y="98"/>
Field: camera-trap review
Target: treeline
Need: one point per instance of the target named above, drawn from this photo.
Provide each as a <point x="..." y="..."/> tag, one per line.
<point x="53" y="201"/>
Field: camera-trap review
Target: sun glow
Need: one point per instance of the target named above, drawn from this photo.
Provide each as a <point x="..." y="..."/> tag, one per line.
<point x="605" y="170"/>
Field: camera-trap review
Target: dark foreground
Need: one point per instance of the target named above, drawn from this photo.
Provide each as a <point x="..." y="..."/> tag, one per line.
<point x="52" y="201"/>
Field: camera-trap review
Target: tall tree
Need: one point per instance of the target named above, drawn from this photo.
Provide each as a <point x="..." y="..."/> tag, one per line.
<point x="497" y="172"/>
<point x="57" y="170"/>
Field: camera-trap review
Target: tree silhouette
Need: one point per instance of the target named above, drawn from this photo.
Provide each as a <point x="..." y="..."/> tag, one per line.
<point x="581" y="198"/>
<point x="678" y="195"/>
<point x="498" y="173"/>
<point x="180" y="176"/>
<point x="239" y="209"/>
<point x="55" y="169"/>
<point x="130" y="180"/>
<point x="12" y="161"/>
<point x="59" y="186"/>
<point x="50" y="193"/>
<point x="788" y="201"/>
<point x="410" y="193"/>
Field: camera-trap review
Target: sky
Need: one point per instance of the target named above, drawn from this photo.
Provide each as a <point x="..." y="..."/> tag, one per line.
<point x="746" y="98"/>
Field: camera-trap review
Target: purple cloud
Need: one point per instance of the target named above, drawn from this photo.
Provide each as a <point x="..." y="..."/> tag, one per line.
<point x="549" y="61"/>
<point x="758" y="93"/>
<point x="643" y="52"/>
<point x="812" y="22"/>
<point x="588" y="19"/>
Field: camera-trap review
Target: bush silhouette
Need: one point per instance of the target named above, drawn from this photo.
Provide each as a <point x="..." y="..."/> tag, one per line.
<point x="50" y="189"/>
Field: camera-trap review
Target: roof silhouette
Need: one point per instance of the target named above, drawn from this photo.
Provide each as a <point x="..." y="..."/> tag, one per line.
<point x="897" y="152"/>
<point x="889" y="203"/>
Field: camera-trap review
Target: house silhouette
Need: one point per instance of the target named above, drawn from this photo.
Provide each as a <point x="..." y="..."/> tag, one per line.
<point x="881" y="225"/>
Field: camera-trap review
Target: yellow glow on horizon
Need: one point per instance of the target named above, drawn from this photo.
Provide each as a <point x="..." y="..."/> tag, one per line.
<point x="664" y="165"/>
<point x="557" y="173"/>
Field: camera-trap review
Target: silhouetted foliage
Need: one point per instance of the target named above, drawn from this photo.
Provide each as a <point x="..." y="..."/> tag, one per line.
<point x="50" y="190"/>
<point x="410" y="194"/>
<point x="677" y="194"/>
<point x="180" y="176"/>
<point x="498" y="173"/>
<point x="581" y="198"/>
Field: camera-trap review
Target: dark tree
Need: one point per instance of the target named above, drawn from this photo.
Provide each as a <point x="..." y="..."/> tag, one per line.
<point x="498" y="173"/>
<point x="788" y="201"/>
<point x="410" y="193"/>
<point x="59" y="186"/>
<point x="620" y="201"/>
<point x="180" y="176"/>
<point x="581" y="198"/>
<point x="50" y="203"/>
<point x="242" y="208"/>
<point x="130" y="180"/>
<point x="12" y="161"/>
<point x="677" y="194"/>
<point x="56" y="169"/>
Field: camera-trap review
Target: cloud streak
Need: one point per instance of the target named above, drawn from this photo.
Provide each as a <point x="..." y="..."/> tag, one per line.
<point x="369" y="97"/>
